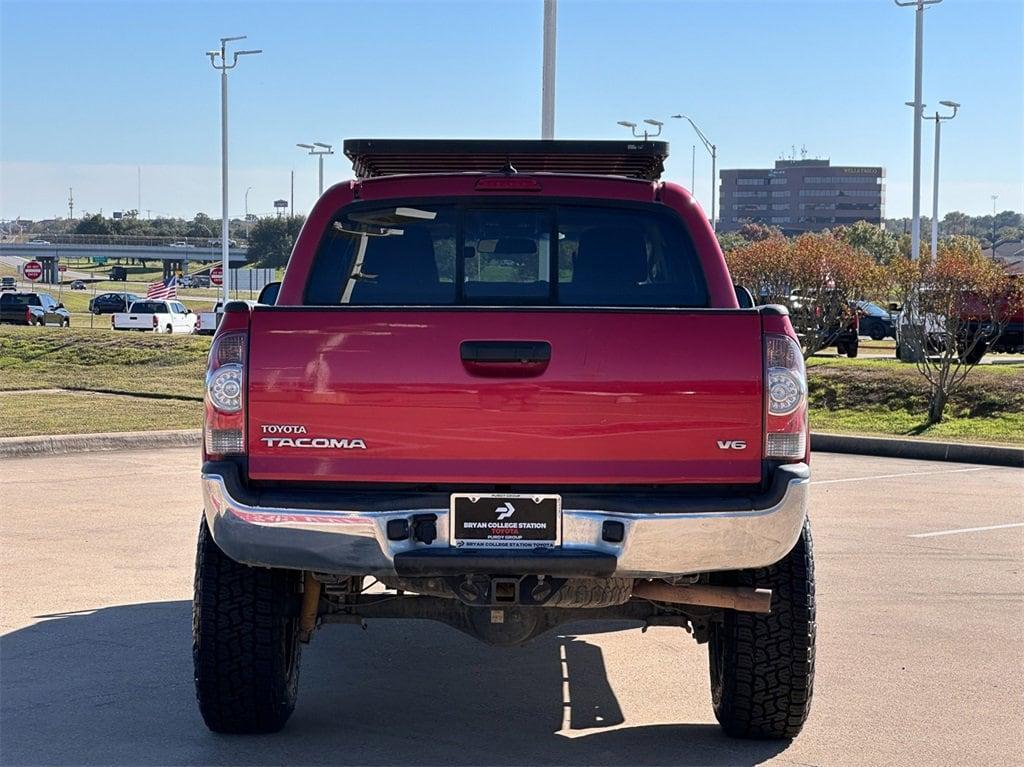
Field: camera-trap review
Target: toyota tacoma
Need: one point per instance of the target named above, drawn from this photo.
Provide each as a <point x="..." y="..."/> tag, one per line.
<point x="506" y="385"/>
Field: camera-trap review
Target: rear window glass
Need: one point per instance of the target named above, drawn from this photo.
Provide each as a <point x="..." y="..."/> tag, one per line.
<point x="20" y="299"/>
<point x="148" y="307"/>
<point x="475" y="254"/>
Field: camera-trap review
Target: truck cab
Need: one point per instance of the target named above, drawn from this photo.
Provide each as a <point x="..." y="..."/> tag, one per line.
<point x="511" y="382"/>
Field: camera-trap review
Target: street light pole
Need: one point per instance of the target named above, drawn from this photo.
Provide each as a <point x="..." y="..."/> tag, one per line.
<point x="547" y="95"/>
<point x="247" y="190"/>
<point x="915" y="225"/>
<point x="318" y="149"/>
<point x="713" y="151"/>
<point x="223" y="66"/>
<point x="935" y="179"/>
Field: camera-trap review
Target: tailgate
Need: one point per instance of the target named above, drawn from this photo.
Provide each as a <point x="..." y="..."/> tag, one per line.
<point x="626" y="397"/>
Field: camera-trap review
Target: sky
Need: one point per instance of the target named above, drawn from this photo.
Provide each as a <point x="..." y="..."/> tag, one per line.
<point x="94" y="95"/>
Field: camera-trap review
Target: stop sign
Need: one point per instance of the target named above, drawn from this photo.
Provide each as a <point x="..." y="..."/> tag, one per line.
<point x="217" y="275"/>
<point x="32" y="270"/>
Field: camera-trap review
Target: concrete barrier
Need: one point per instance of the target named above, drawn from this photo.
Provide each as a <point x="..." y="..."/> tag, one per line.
<point x="23" y="447"/>
<point x="920" y="449"/>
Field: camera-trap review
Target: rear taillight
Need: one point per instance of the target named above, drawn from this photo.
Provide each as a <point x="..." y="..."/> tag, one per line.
<point x="224" y="428"/>
<point x="785" y="400"/>
<point x="155" y="322"/>
<point x="28" y="316"/>
<point x="112" y="325"/>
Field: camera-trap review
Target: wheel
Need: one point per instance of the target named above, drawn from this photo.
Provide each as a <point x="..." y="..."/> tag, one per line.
<point x="245" y="644"/>
<point x="66" y="322"/>
<point x="762" y="666"/>
<point x="851" y="350"/>
<point x="169" y="329"/>
<point x="975" y="355"/>
<point x="877" y="333"/>
<point x="840" y="349"/>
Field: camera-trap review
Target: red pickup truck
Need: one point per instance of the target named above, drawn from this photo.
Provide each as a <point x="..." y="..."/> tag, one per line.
<point x="511" y="384"/>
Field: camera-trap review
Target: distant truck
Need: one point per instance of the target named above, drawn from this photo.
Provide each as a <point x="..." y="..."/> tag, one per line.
<point x="155" y="317"/>
<point x="206" y="324"/>
<point x="33" y="309"/>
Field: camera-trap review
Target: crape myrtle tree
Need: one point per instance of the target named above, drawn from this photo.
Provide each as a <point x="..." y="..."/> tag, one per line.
<point x="952" y="309"/>
<point x="817" y="276"/>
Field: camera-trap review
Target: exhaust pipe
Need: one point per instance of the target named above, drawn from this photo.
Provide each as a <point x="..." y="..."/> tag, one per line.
<point x="739" y="598"/>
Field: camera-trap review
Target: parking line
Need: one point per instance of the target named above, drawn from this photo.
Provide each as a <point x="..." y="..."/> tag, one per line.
<point x="905" y="474"/>
<point x="966" y="530"/>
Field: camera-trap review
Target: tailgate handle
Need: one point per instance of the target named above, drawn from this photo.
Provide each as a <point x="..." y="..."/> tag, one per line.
<point x="506" y="352"/>
<point x="505" y="358"/>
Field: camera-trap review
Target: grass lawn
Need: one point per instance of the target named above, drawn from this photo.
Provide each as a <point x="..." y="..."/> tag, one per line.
<point x="866" y="396"/>
<point x="101" y="360"/>
<point x="84" y="413"/>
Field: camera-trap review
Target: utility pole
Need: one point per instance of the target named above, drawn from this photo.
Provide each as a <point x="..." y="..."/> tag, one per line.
<point x="713" y="151"/>
<point x="291" y="204"/>
<point x="223" y="66"/>
<point x="935" y="170"/>
<point x="915" y="224"/>
<point x="994" y="198"/>
<point x="693" y="167"/>
<point x="71" y="203"/>
<point x="547" y="115"/>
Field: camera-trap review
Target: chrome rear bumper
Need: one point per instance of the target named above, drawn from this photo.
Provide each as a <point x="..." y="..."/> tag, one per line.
<point x="655" y="545"/>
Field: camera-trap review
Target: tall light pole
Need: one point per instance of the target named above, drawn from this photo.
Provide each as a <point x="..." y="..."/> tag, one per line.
<point x="219" y="60"/>
<point x="915" y="224"/>
<point x="713" y="151"/>
<point x="935" y="172"/>
<point x="247" y="190"/>
<point x="547" y="94"/>
<point x="318" y="149"/>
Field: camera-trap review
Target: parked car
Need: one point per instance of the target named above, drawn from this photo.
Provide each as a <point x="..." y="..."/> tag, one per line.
<point x="108" y="303"/>
<point x="77" y="285"/>
<point x="201" y="281"/>
<point x="598" y="430"/>
<point x="8" y="283"/>
<point x="118" y="274"/>
<point x="156" y="317"/>
<point x="33" y="309"/>
<point x="875" y="322"/>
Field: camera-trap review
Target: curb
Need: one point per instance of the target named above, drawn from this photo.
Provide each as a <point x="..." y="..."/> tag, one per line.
<point x="57" y="444"/>
<point x="886" y="447"/>
<point x="923" y="450"/>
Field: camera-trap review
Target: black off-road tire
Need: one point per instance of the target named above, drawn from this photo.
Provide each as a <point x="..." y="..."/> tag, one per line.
<point x="245" y="646"/>
<point x="762" y="666"/>
<point x="877" y="333"/>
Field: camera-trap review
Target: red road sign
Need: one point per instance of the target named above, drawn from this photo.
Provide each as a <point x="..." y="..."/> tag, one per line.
<point x="217" y="275"/>
<point x="62" y="268"/>
<point x="32" y="270"/>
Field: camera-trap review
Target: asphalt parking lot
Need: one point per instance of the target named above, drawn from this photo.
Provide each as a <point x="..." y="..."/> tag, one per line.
<point x="920" y="644"/>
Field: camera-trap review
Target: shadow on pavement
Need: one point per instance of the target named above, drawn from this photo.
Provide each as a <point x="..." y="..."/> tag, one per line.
<point x="114" y="687"/>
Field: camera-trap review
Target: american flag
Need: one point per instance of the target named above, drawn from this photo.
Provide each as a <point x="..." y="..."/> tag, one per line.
<point x="163" y="289"/>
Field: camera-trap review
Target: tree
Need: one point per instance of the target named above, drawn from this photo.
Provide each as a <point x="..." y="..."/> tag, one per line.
<point x="272" y="239"/>
<point x="952" y="308"/>
<point x="881" y="245"/>
<point x="94" y="224"/>
<point x="818" y="277"/>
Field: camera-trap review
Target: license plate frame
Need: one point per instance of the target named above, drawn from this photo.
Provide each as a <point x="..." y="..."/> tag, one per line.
<point x="505" y="532"/>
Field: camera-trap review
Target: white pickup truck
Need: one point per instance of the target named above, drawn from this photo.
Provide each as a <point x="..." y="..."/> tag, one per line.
<point x="207" y="322"/>
<point x="156" y="317"/>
